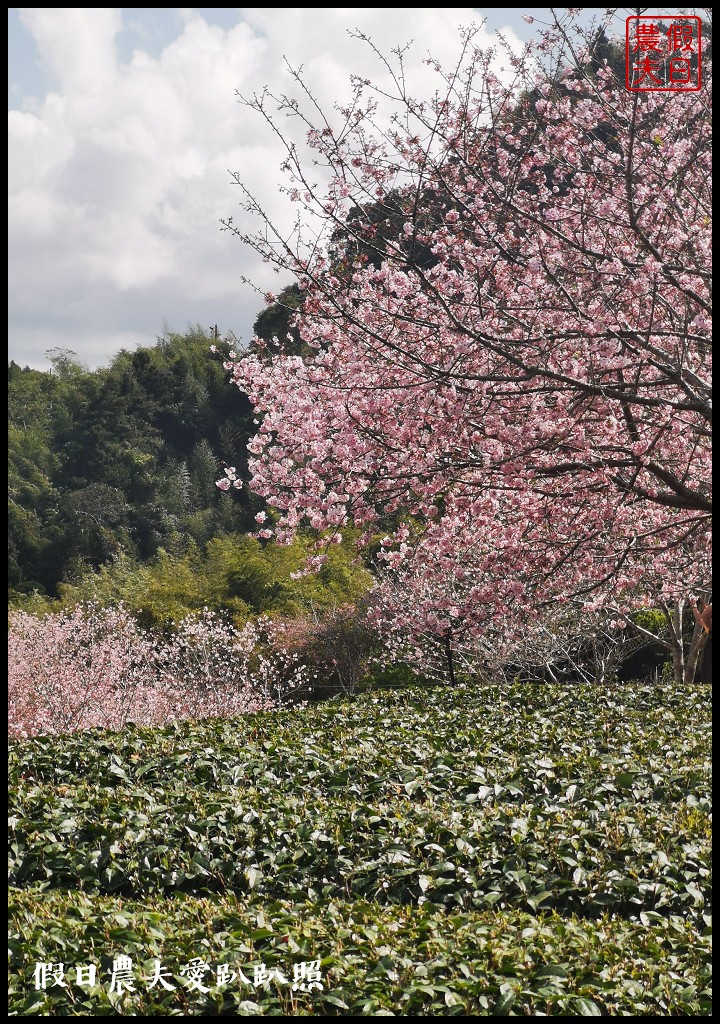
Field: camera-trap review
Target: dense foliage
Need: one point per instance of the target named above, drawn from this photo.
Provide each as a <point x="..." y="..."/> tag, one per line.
<point x="234" y="574"/>
<point x="521" y="850"/>
<point x="121" y="460"/>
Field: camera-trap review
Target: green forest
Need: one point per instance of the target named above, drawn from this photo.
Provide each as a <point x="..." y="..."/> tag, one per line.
<point x="119" y="462"/>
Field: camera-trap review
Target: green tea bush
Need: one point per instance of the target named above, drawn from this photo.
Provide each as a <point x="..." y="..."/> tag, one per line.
<point x="497" y="850"/>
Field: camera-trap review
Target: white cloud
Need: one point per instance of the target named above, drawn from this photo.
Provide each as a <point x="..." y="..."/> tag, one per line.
<point x="119" y="177"/>
<point x="76" y="43"/>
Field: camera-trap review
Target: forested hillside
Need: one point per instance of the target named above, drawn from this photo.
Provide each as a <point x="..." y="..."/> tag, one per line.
<point x="120" y="461"/>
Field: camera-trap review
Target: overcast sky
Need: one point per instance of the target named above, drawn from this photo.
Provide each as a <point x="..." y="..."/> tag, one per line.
<point x="123" y="128"/>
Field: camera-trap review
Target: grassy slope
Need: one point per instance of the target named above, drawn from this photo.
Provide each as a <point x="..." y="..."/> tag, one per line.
<point x="523" y="850"/>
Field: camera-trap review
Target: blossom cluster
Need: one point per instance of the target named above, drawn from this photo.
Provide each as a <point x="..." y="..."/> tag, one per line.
<point x="94" y="667"/>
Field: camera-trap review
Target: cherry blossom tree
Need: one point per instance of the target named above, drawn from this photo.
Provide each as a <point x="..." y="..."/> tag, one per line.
<point x="94" y="667"/>
<point x="433" y="617"/>
<point x="535" y="397"/>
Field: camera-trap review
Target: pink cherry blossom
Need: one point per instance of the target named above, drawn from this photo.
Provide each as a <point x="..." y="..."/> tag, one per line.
<point x="91" y="667"/>
<point x="533" y="394"/>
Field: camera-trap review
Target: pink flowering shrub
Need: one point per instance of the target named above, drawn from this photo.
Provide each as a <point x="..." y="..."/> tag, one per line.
<point x="78" y="669"/>
<point x="92" y="667"/>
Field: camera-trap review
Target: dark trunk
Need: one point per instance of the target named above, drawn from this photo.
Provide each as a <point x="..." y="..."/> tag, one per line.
<point x="705" y="672"/>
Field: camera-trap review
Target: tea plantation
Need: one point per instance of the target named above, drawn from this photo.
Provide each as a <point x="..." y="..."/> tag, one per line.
<point x="491" y="851"/>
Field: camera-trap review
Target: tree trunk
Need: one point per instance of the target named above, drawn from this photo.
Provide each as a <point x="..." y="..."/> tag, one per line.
<point x="449" y="657"/>
<point x="674" y="619"/>
<point x="699" y="659"/>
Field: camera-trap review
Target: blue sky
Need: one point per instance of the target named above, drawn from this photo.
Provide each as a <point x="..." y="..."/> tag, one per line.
<point x="123" y="129"/>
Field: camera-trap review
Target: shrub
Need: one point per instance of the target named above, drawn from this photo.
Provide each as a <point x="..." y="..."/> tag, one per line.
<point x="92" y="667"/>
